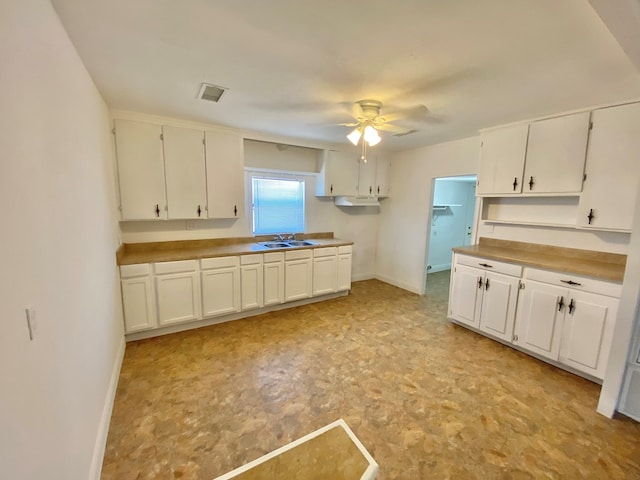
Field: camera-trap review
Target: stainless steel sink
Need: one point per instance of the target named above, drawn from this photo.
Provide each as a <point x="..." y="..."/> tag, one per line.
<point x="287" y="244"/>
<point x="275" y="245"/>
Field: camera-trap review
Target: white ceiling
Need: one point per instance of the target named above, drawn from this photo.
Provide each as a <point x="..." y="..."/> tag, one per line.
<point x="291" y="65"/>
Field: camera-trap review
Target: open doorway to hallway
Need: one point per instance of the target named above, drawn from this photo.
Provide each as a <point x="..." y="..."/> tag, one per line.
<point x="451" y="225"/>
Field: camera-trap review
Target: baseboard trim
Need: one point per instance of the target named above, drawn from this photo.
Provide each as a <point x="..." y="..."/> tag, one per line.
<point x="105" y="419"/>
<point x="439" y="268"/>
<point x="362" y="276"/>
<point x="395" y="283"/>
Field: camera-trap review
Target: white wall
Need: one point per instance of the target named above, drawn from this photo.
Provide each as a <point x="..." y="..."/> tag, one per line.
<point x="58" y="242"/>
<point x="357" y="224"/>
<point x="404" y="220"/>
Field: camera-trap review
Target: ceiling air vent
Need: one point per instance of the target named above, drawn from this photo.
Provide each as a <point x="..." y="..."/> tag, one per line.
<point x="210" y="92"/>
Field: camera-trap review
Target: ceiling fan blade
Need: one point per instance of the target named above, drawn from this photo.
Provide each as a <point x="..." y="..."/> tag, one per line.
<point x="417" y="113"/>
<point x="396" y="130"/>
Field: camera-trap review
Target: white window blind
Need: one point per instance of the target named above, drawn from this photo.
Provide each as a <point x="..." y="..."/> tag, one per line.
<point x="278" y="205"/>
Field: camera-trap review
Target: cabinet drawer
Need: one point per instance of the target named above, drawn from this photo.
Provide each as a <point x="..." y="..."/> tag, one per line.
<point x="136" y="270"/>
<point x="576" y="282"/>
<point x="490" y="265"/>
<point x="273" y="257"/>
<point x="218" y="262"/>
<point x="254" y="259"/>
<point x="176" y="267"/>
<point x="297" y="254"/>
<point x="324" y="252"/>
<point x="345" y="249"/>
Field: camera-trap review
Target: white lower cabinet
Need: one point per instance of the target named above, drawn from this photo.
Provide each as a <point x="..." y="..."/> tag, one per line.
<point x="344" y="267"/>
<point x="273" y="278"/>
<point x="485" y="299"/>
<point x="178" y="292"/>
<point x="138" y="299"/>
<point x="169" y="293"/>
<point x="251" y="281"/>
<point x="325" y="270"/>
<point x="298" y="276"/>
<point x="220" y="286"/>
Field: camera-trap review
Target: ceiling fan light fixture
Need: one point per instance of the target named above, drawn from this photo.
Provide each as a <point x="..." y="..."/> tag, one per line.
<point x="354" y="137"/>
<point x="371" y="136"/>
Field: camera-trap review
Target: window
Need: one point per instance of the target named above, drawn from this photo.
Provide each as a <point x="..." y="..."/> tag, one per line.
<point x="278" y="205"/>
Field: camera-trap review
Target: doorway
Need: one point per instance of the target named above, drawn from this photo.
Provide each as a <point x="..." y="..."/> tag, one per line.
<point x="453" y="210"/>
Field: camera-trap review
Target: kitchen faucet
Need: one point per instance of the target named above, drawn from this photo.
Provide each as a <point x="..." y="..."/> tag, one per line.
<point x="283" y="236"/>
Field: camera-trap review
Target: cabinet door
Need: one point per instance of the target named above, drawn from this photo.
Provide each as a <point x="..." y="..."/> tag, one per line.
<point x="502" y="160"/>
<point x="466" y="295"/>
<point x="367" y="177"/>
<point x="499" y="305"/>
<point x="298" y="279"/>
<point x="138" y="304"/>
<point x="325" y="275"/>
<point x="338" y="175"/>
<point x="252" y="288"/>
<point x="587" y="332"/>
<point x="612" y="169"/>
<point x="220" y="291"/>
<point x="344" y="272"/>
<point x="140" y="170"/>
<point x="178" y="298"/>
<point x="185" y="172"/>
<point x="383" y="171"/>
<point x="274" y="283"/>
<point x="539" y="319"/>
<point x="225" y="174"/>
<point x="556" y="153"/>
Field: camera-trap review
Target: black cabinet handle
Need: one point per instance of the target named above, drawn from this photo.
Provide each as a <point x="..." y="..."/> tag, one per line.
<point x="235" y="210"/>
<point x="378" y="189"/>
<point x="480" y="282"/>
<point x="485" y="265"/>
<point x="531" y="183"/>
<point x="370" y="189"/>
<point x="157" y="210"/>
<point x="331" y="189"/>
<point x="591" y="216"/>
<point x="199" y="210"/>
<point x="486" y="284"/>
<point x="570" y="282"/>
<point x="515" y="183"/>
<point x="561" y="304"/>
<point x="572" y="306"/>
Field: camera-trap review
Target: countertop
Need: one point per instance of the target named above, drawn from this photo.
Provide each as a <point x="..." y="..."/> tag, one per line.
<point x="601" y="265"/>
<point x="133" y="253"/>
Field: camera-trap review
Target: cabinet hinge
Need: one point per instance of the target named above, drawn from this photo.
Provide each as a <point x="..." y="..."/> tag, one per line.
<point x="113" y="130"/>
<point x="204" y="142"/>
<point x="515" y="338"/>
<point x="590" y="125"/>
<point x="584" y="177"/>
<point x="521" y="285"/>
<point x="161" y="136"/>
<point x="481" y="144"/>
<point x="120" y="207"/>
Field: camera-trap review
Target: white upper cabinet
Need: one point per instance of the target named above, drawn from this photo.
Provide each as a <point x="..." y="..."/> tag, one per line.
<point x="338" y="174"/>
<point x="556" y="153"/>
<point x="185" y="172"/>
<point x="367" y="177"/>
<point x="502" y="156"/>
<point x="612" y="169"/>
<point x="383" y="167"/>
<point x="140" y="170"/>
<point x="225" y="174"/>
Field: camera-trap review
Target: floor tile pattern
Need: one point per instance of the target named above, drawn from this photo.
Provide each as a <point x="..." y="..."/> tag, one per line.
<point x="428" y="399"/>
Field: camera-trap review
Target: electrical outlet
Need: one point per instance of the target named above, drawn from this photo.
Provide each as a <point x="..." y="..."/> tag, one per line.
<point x="190" y="224"/>
<point x="31" y="322"/>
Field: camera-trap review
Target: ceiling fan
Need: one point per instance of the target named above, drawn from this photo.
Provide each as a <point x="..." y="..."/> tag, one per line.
<point x="369" y="121"/>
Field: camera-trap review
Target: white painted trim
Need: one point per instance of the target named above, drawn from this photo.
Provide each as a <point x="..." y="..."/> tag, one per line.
<point x="362" y="276"/>
<point x="369" y="474"/>
<point x="396" y="283"/>
<point x="105" y="419"/>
